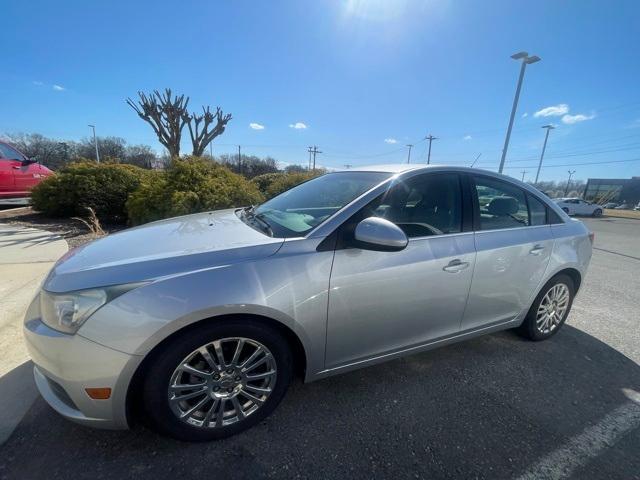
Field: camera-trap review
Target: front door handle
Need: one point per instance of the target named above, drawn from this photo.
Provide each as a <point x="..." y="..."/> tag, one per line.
<point x="16" y="167"/>
<point x="536" y="250"/>
<point x="455" y="266"/>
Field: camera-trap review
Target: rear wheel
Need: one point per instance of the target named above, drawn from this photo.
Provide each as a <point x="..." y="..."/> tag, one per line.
<point x="550" y="309"/>
<point x="213" y="382"/>
<point x="597" y="212"/>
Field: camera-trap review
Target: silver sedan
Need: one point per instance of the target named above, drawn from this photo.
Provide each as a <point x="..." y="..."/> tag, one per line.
<point x="199" y="322"/>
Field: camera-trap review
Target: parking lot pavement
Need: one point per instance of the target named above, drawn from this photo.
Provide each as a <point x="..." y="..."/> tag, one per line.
<point x="26" y="254"/>
<point x="493" y="407"/>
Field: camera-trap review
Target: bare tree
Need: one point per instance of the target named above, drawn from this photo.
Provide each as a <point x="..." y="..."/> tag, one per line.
<point x="168" y="115"/>
<point x="200" y="138"/>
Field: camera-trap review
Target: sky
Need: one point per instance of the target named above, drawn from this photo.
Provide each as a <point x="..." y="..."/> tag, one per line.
<point x="360" y="79"/>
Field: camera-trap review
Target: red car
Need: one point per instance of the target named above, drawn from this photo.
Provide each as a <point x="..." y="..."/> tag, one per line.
<point x="18" y="174"/>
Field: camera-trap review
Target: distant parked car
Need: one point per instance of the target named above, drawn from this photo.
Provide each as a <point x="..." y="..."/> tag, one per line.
<point x="577" y="206"/>
<point x="623" y="206"/>
<point x="18" y="174"/>
<point x="637" y="207"/>
<point x="610" y="205"/>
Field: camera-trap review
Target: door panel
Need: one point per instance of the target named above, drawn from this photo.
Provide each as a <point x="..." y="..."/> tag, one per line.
<point x="509" y="267"/>
<point x="6" y="176"/>
<point x="380" y="302"/>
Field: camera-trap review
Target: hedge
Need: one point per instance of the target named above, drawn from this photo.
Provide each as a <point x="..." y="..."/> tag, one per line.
<point x="189" y="185"/>
<point x="104" y="187"/>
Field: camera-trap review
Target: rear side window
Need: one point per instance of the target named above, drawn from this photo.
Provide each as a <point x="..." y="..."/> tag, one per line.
<point x="501" y="205"/>
<point x="537" y="211"/>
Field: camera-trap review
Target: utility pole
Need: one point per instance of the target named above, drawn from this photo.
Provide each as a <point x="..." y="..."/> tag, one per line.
<point x="566" y="189"/>
<point x="95" y="142"/>
<point x="239" y="161"/>
<point x="526" y="60"/>
<point x="409" y="155"/>
<point x="474" y="162"/>
<point x="431" y="138"/>
<point x="544" y="147"/>
<point x="310" y="149"/>
<point x="313" y="152"/>
<point x="523" y="172"/>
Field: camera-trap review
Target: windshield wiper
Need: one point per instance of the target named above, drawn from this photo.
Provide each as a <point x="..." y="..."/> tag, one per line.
<point x="257" y="219"/>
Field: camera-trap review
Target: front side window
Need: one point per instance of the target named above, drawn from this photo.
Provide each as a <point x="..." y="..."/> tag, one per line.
<point x="9" y="153"/>
<point x="297" y="211"/>
<point x="425" y="205"/>
<point x="501" y="205"/>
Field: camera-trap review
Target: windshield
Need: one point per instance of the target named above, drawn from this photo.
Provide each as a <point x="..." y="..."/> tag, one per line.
<point x="297" y="211"/>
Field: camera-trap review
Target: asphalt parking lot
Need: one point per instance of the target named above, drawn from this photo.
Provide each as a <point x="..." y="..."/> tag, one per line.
<point x="494" y="407"/>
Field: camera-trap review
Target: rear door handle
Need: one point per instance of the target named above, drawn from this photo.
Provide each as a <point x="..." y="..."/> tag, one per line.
<point x="455" y="266"/>
<point x="16" y="167"/>
<point x="536" y="250"/>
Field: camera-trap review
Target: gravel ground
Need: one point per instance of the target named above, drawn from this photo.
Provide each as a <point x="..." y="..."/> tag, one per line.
<point x="73" y="231"/>
<point x="493" y="407"/>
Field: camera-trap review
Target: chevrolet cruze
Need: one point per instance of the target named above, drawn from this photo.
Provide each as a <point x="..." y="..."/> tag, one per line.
<point x="198" y="323"/>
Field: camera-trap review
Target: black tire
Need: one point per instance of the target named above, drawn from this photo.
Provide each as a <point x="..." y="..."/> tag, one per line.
<point x="597" y="212"/>
<point x="155" y="385"/>
<point x="529" y="329"/>
<point x="566" y="210"/>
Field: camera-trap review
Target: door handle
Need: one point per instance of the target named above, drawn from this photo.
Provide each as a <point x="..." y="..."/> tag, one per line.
<point x="536" y="250"/>
<point x="16" y="167"/>
<point x="455" y="266"/>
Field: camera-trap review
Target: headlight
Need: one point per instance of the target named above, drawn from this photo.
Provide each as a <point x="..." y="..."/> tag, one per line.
<point x="66" y="312"/>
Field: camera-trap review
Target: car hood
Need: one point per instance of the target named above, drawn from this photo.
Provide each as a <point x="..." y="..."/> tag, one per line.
<point x="164" y="248"/>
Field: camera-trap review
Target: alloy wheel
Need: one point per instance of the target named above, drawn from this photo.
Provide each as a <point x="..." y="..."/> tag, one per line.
<point x="552" y="308"/>
<point x="222" y="382"/>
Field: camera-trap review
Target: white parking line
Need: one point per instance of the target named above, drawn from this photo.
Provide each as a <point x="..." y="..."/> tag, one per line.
<point x="581" y="448"/>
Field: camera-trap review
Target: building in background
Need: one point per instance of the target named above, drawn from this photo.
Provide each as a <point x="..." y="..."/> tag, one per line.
<point x="619" y="190"/>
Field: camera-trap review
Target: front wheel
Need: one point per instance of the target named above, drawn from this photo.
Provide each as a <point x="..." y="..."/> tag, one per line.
<point x="597" y="212"/>
<point x="217" y="380"/>
<point x="550" y="309"/>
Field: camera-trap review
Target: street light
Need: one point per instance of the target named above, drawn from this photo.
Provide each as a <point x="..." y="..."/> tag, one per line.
<point x="544" y="147"/>
<point x="409" y="155"/>
<point x="526" y="60"/>
<point x="95" y="142"/>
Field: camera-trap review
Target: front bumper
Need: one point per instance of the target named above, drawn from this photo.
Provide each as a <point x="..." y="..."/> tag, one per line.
<point x="65" y="365"/>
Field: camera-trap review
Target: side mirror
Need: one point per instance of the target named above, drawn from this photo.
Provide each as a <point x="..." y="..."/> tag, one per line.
<point x="375" y="233"/>
<point x="28" y="161"/>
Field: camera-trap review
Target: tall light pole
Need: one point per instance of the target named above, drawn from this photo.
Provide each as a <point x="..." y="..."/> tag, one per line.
<point x="544" y="147"/>
<point x="566" y="189"/>
<point x="526" y="60"/>
<point x="431" y="138"/>
<point x="95" y="142"/>
<point x="409" y="155"/>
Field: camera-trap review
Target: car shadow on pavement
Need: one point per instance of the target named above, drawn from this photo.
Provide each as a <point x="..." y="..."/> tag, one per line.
<point x="493" y="407"/>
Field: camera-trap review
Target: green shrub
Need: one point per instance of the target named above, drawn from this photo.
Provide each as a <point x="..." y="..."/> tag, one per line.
<point x="190" y="185"/>
<point x="104" y="187"/>
<point x="263" y="182"/>
<point x="286" y="181"/>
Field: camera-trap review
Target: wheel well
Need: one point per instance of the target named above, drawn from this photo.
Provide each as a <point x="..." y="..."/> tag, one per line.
<point x="134" y="391"/>
<point x="574" y="275"/>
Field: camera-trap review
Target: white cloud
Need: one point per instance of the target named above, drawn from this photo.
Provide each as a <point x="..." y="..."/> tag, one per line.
<point x="553" y="111"/>
<point x="525" y="115"/>
<point x="467" y="137"/>
<point x="37" y="82"/>
<point x="58" y="88"/>
<point x="390" y="140"/>
<point x="571" y="119"/>
<point x="298" y="126"/>
<point x="256" y="126"/>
